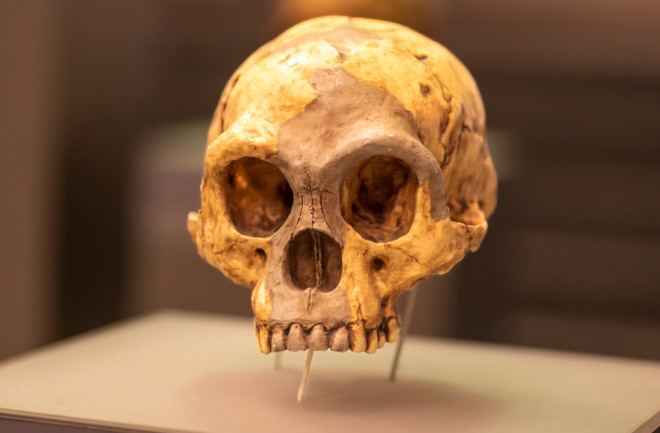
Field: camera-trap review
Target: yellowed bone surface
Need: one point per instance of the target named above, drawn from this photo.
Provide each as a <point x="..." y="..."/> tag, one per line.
<point x="346" y="160"/>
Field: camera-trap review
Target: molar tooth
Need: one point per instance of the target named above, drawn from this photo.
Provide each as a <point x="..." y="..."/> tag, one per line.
<point x="339" y="340"/>
<point x="392" y="329"/>
<point x="318" y="339"/>
<point x="372" y="341"/>
<point x="357" y="338"/>
<point x="277" y="340"/>
<point x="296" y="341"/>
<point x="381" y="338"/>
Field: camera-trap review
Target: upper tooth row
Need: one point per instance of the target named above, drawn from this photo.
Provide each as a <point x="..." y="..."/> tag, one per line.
<point x="317" y="339"/>
<point x="353" y="336"/>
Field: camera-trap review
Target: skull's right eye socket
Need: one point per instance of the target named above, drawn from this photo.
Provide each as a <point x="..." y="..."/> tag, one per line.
<point x="258" y="195"/>
<point x="378" y="198"/>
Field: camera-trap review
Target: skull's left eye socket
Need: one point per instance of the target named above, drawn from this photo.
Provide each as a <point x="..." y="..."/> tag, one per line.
<point x="378" y="198"/>
<point x="258" y="195"/>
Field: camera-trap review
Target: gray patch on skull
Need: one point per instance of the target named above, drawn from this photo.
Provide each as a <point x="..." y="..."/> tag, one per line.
<point x="347" y="124"/>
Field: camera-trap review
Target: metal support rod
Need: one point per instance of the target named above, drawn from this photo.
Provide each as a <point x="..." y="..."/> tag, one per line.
<point x="405" y="328"/>
<point x="305" y="376"/>
<point x="278" y="361"/>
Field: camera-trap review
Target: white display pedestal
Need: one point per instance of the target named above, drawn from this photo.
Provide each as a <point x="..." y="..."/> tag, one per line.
<point x="189" y="372"/>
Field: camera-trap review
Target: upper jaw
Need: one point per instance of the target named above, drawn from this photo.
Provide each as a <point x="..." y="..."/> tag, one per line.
<point x="279" y="336"/>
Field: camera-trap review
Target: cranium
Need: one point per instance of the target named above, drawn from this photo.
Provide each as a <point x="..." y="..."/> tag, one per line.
<point x="346" y="161"/>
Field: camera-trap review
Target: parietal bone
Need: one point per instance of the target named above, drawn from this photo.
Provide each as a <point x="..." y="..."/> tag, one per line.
<point x="346" y="160"/>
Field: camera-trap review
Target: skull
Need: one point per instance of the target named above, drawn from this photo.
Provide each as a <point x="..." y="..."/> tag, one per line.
<point x="346" y="161"/>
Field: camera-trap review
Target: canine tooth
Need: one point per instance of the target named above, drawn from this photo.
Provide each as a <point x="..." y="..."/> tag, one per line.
<point x="381" y="338"/>
<point x="372" y="341"/>
<point x="392" y="329"/>
<point x="263" y="339"/>
<point x="277" y="340"/>
<point x="339" y="340"/>
<point x="357" y="338"/>
<point x="296" y="341"/>
<point x="318" y="339"/>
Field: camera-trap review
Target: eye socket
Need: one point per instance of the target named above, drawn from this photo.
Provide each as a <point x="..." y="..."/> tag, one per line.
<point x="378" y="198"/>
<point x="258" y="196"/>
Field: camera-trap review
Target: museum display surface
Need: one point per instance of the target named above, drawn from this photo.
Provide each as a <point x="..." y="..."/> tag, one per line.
<point x="192" y="372"/>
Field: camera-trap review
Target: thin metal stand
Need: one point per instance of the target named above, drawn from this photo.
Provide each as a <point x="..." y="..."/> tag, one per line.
<point x="305" y="376"/>
<point x="278" y="361"/>
<point x="405" y="328"/>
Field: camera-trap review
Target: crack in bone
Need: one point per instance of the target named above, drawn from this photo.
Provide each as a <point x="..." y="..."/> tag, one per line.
<point x="318" y="257"/>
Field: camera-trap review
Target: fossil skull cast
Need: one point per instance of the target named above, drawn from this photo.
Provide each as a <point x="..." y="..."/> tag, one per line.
<point x="346" y="160"/>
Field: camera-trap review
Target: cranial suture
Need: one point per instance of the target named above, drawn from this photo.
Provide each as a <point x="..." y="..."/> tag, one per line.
<point x="346" y="160"/>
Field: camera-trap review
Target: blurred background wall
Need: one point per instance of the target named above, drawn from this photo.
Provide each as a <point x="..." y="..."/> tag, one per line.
<point x="104" y="108"/>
